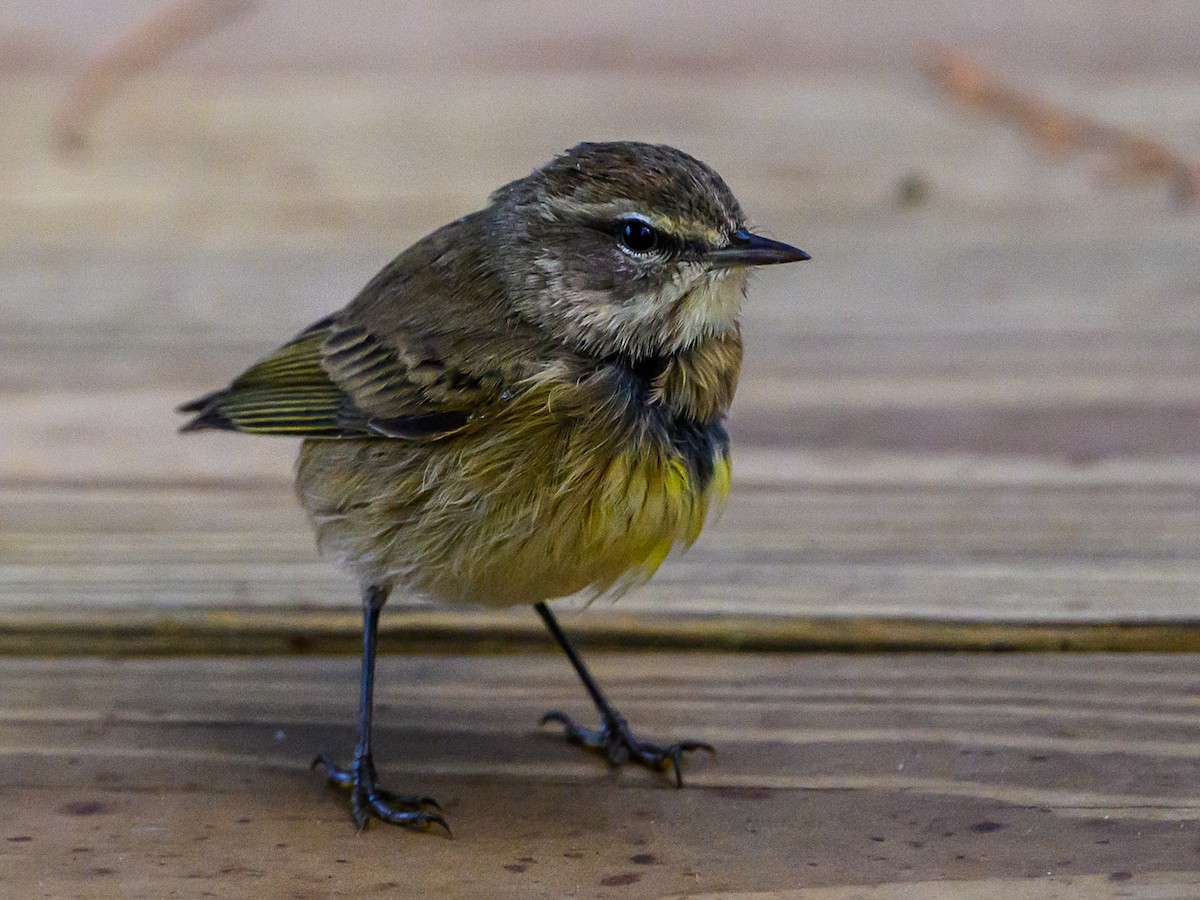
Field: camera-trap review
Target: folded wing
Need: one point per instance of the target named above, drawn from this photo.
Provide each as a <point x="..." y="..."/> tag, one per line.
<point x="336" y="379"/>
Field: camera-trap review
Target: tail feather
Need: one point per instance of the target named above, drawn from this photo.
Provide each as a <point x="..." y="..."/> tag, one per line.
<point x="209" y="415"/>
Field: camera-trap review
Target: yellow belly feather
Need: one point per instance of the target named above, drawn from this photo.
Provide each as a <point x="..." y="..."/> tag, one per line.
<point x="573" y="485"/>
<point x="511" y="517"/>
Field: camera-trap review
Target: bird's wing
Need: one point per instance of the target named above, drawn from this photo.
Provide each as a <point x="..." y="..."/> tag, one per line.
<point x="337" y="379"/>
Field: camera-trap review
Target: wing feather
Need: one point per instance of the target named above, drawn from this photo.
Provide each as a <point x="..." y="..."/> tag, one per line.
<point x="338" y="380"/>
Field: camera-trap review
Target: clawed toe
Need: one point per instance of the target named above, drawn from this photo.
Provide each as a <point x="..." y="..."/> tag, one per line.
<point x="620" y="746"/>
<point x="368" y="800"/>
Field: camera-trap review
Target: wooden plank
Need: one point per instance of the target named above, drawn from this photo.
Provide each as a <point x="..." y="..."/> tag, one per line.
<point x="979" y="407"/>
<point x="280" y="629"/>
<point x="569" y="36"/>
<point x="844" y="776"/>
<point x="204" y="175"/>
<point x="948" y="551"/>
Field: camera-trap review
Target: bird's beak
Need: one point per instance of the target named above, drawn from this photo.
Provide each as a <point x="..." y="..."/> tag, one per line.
<point x="746" y="249"/>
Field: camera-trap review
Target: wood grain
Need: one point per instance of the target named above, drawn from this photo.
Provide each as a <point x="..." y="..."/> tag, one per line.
<point x="791" y="551"/>
<point x="978" y="405"/>
<point x="844" y="776"/>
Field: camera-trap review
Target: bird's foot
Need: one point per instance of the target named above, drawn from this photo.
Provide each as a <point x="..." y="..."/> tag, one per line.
<point x="368" y="800"/>
<point x="619" y="746"/>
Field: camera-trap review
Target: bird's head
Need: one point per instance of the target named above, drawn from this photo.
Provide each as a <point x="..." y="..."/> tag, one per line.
<point x="626" y="248"/>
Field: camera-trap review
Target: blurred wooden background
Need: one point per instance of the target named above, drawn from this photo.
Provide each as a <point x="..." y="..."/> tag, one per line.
<point x="978" y="403"/>
<point x="970" y="421"/>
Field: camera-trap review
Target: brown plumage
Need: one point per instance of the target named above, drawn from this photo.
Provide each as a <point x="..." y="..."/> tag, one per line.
<point x="527" y="403"/>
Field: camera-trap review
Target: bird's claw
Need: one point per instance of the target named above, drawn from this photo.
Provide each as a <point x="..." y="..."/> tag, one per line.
<point x="368" y="800"/>
<point x="620" y="746"/>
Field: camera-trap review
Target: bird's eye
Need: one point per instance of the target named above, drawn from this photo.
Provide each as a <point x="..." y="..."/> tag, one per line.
<point x="638" y="236"/>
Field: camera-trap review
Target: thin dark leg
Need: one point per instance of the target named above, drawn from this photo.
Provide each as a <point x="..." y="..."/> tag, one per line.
<point x="577" y="662"/>
<point x="614" y="738"/>
<point x="367" y="799"/>
<point x="372" y="607"/>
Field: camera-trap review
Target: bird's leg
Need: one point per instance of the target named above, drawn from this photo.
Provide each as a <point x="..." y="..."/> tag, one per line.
<point x="367" y="799"/>
<point x="613" y="738"/>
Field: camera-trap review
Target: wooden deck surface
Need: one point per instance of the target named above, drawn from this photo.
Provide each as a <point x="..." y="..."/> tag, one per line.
<point x="969" y="422"/>
<point x="978" y="403"/>
<point x="930" y="776"/>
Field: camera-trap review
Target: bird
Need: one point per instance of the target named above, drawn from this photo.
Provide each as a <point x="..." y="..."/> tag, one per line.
<point x="528" y="403"/>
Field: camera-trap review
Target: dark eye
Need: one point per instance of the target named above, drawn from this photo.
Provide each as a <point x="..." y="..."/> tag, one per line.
<point x="639" y="237"/>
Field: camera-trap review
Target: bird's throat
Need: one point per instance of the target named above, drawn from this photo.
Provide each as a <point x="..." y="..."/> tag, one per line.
<point x="696" y="384"/>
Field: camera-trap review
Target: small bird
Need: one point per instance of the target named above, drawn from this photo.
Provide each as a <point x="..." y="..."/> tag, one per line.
<point x="526" y="404"/>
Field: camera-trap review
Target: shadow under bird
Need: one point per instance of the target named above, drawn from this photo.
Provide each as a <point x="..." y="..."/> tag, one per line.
<point x="526" y="404"/>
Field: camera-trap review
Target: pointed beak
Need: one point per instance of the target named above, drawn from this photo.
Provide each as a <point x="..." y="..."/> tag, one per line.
<point x="746" y="249"/>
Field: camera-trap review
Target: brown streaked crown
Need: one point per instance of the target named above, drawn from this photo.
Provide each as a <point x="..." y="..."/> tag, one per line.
<point x="656" y="176"/>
